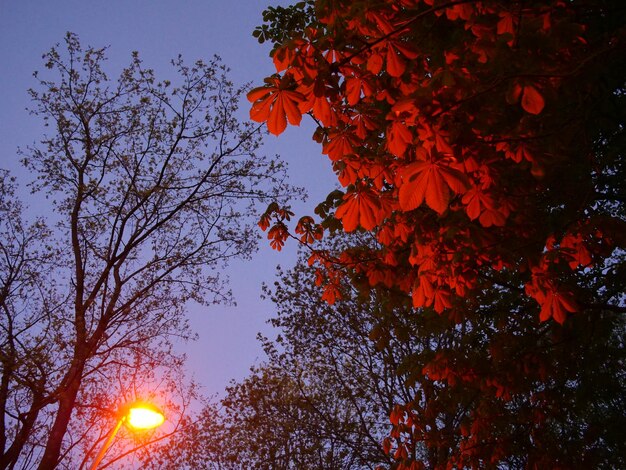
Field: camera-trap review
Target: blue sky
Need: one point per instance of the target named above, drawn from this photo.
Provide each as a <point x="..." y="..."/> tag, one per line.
<point x="160" y="30"/>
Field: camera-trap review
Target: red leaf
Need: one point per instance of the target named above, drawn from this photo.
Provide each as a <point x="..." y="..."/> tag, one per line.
<point x="339" y="146"/>
<point x="431" y="182"/>
<point x="353" y="90"/>
<point x="576" y="250"/>
<point x="423" y="293"/>
<point x="492" y="217"/>
<point x="375" y="63"/>
<point x="359" y="207"/>
<point x="283" y="57"/>
<point x="555" y="305"/>
<point x="532" y="101"/>
<point x="473" y="201"/>
<point x="395" y="63"/>
<point x="442" y="300"/>
<point x="354" y="87"/>
<point x="398" y="138"/>
<point x="505" y="25"/>
<point x="442" y="145"/>
<point x="323" y="112"/>
<point x="275" y="106"/>
<point x="386" y="445"/>
<point x="513" y="94"/>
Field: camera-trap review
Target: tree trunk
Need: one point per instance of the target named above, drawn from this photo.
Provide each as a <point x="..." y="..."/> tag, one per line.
<point x="67" y="402"/>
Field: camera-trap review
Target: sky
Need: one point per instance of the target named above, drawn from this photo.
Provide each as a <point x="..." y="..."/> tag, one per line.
<point x="160" y="30"/>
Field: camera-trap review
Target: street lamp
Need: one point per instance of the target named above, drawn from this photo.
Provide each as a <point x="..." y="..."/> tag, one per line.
<point x="138" y="416"/>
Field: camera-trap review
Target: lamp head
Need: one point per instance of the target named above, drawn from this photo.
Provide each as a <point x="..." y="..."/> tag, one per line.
<point x="141" y="416"/>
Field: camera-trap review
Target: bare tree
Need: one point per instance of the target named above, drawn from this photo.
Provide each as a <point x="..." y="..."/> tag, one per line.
<point x="153" y="186"/>
<point x="322" y="398"/>
<point x="26" y="302"/>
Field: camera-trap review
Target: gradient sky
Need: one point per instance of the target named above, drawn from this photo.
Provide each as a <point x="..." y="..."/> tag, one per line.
<point x="160" y="30"/>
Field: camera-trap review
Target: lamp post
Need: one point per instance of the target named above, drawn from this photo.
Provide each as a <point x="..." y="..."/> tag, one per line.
<point x="138" y="416"/>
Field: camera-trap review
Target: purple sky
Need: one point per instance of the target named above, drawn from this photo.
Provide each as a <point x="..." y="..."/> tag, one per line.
<point x="160" y="30"/>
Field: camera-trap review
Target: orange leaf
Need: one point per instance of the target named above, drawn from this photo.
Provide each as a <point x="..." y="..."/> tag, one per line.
<point x="283" y="57"/>
<point x="353" y="90"/>
<point x="386" y="445"/>
<point x="395" y="63"/>
<point x="258" y="93"/>
<point x="375" y="63"/>
<point x="275" y="106"/>
<point x="532" y="101"/>
<point x="331" y="293"/>
<point x="290" y="101"/>
<point x="339" y="146"/>
<point x="276" y="122"/>
<point x="431" y="182"/>
<point x="423" y="293"/>
<point x="260" y="111"/>
<point x="359" y="207"/>
<point x="492" y="217"/>
<point x="505" y="25"/>
<point x="398" y="138"/>
<point x="473" y="199"/>
<point x="347" y="170"/>
<point x="555" y="305"/>
<point x="442" y="300"/>
<point x="354" y="87"/>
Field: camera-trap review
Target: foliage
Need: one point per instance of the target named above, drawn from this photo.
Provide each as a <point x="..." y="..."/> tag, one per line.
<point x="151" y="185"/>
<point x="499" y="389"/>
<point x="450" y="124"/>
<point x="366" y="383"/>
<point x="200" y="443"/>
<point x="481" y="143"/>
<point x="320" y="400"/>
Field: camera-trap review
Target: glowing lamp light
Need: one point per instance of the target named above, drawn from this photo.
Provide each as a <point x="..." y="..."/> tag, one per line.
<point x="144" y="416"/>
<point x="138" y="416"/>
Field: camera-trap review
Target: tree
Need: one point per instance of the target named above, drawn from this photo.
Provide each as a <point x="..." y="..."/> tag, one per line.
<point x="368" y="383"/>
<point x="320" y="400"/>
<point x="201" y="443"/>
<point x="482" y="144"/>
<point x="454" y="121"/>
<point x="24" y="296"/>
<point x="488" y="386"/>
<point x="500" y="389"/>
<point x="151" y="184"/>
